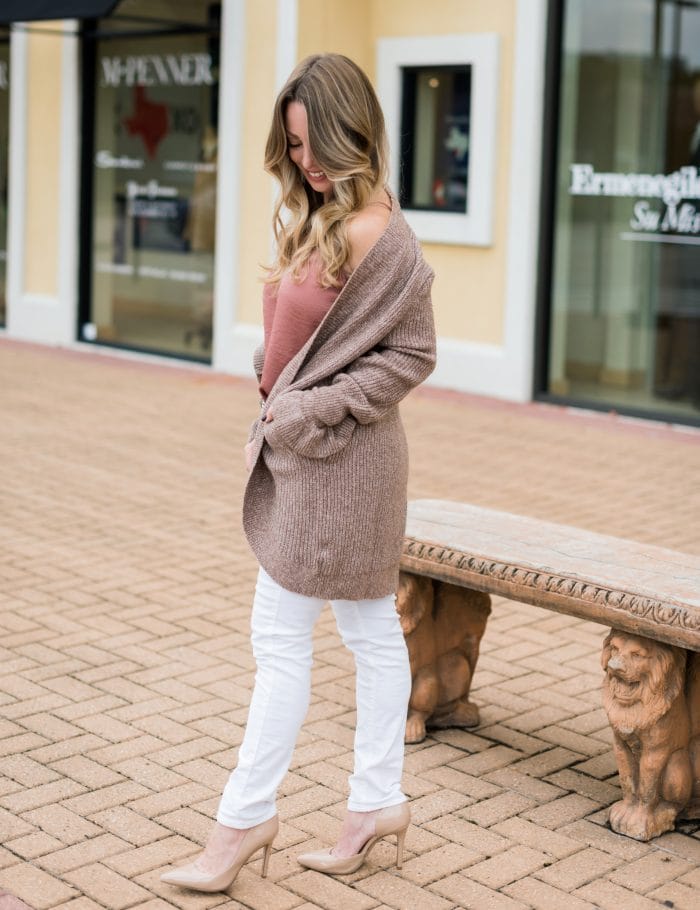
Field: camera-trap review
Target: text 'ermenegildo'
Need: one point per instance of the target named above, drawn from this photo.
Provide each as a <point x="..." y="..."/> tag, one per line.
<point x="681" y="184"/>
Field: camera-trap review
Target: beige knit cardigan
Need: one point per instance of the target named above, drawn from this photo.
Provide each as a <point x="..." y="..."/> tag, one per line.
<point x="325" y="505"/>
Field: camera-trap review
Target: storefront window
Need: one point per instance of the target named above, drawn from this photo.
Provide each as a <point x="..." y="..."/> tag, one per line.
<point x="625" y="290"/>
<point x="4" y="149"/>
<point x="435" y="137"/>
<point x="153" y="176"/>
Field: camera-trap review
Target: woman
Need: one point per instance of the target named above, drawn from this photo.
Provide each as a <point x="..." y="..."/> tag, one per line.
<point x="348" y="333"/>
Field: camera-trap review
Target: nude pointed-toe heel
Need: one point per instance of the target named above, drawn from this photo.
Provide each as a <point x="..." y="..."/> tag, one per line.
<point x="257" y="837"/>
<point x="392" y="820"/>
<point x="400" y="838"/>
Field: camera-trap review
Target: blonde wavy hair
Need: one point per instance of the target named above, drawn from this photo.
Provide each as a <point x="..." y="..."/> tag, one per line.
<point x="348" y="140"/>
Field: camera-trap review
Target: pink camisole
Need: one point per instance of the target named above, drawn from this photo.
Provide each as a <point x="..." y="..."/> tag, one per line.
<point x="292" y="311"/>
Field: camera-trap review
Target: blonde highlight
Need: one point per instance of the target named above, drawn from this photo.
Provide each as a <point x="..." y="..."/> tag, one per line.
<point x="348" y="140"/>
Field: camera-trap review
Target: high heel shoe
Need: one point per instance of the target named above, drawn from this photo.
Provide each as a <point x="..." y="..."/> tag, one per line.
<point x="393" y="820"/>
<point x="256" y="837"/>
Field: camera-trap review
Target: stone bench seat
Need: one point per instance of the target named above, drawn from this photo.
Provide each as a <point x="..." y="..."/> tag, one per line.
<point x="639" y="588"/>
<point x="455" y="555"/>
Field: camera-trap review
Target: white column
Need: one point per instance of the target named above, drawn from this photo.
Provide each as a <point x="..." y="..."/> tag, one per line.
<point x="16" y="182"/>
<point x="244" y="337"/>
<point x="228" y="207"/>
<point x="68" y="214"/>
<point x="524" y="198"/>
<point x="287" y="29"/>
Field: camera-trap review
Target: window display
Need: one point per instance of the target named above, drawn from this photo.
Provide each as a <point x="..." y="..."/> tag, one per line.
<point x="154" y="178"/>
<point x="435" y="123"/>
<point x="440" y="99"/>
<point x="625" y="290"/>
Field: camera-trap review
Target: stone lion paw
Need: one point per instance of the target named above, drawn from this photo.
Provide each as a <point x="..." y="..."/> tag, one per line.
<point x="641" y="822"/>
<point x="415" y="729"/>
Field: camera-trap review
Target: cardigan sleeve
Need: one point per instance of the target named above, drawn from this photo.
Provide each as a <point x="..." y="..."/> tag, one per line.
<point x="318" y="422"/>
<point x="259" y="360"/>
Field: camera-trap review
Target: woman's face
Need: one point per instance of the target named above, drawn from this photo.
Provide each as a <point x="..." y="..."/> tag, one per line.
<point x="297" y="127"/>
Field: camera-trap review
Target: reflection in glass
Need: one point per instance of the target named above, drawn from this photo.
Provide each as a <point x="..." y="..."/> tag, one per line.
<point x="154" y="182"/>
<point x="435" y="116"/>
<point x="625" y="319"/>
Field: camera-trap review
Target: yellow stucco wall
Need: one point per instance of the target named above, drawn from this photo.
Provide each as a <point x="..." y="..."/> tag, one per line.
<point x="469" y="289"/>
<point x="320" y="25"/>
<point x="42" y="216"/>
<point x="256" y="187"/>
<point x="339" y="27"/>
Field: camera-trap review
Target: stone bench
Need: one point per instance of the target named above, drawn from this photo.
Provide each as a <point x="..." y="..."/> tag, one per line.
<point x="456" y="555"/>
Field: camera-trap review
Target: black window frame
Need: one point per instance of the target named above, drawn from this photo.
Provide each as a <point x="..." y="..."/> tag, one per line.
<point x="90" y="33"/>
<point x="407" y="134"/>
<point x="548" y="188"/>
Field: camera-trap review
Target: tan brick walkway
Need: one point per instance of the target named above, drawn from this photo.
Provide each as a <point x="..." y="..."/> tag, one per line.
<point x="125" y="669"/>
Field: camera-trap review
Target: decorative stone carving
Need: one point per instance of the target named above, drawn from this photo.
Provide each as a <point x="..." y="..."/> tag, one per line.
<point x="547" y="588"/>
<point x="650" y="704"/>
<point x="443" y="625"/>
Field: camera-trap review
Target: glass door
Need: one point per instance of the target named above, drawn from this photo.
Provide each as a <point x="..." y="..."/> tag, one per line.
<point x="4" y="151"/>
<point x="148" y="258"/>
<point x="624" y="313"/>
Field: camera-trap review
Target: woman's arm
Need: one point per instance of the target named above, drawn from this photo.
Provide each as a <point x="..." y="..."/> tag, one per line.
<point x="319" y="422"/>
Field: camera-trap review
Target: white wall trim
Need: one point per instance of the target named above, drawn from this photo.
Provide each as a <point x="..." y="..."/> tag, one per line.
<point x="246" y="338"/>
<point x="228" y="207"/>
<point x="506" y="371"/>
<point x="453" y="369"/>
<point x="474" y="227"/>
<point x="287" y="39"/>
<point x="524" y="200"/>
<point x="69" y="176"/>
<point x="286" y="53"/>
<point x="469" y="366"/>
<point x="17" y="177"/>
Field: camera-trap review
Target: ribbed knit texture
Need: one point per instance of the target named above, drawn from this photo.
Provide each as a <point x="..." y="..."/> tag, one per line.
<point x="325" y="505"/>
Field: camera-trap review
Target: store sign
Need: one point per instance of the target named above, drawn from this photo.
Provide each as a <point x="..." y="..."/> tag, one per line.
<point x="157" y="69"/>
<point x="188" y="276"/>
<point x="153" y="190"/>
<point x="676" y="212"/>
<point x="105" y="159"/>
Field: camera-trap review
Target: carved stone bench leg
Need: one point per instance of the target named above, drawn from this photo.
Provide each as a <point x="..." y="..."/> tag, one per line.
<point x="651" y="694"/>
<point x="443" y="625"/>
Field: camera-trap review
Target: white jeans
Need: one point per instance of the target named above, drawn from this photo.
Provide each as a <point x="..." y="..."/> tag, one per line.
<point x="282" y="624"/>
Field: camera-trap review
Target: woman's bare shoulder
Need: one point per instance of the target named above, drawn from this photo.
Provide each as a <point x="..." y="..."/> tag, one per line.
<point x="364" y="229"/>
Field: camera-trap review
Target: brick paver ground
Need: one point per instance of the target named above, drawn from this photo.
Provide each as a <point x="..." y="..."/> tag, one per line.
<point x="125" y="669"/>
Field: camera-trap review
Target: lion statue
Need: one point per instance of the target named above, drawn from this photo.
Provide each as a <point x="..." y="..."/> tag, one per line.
<point x="692" y="688"/>
<point x="645" y="700"/>
<point x="442" y="625"/>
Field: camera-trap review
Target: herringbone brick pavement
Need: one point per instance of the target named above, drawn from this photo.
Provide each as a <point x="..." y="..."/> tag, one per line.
<point x="126" y="671"/>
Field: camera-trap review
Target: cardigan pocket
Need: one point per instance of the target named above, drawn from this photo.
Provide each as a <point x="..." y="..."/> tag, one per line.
<point x="293" y="429"/>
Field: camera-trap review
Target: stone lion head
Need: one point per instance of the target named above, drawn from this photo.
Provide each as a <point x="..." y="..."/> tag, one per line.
<point x="642" y="679"/>
<point x="413" y="599"/>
